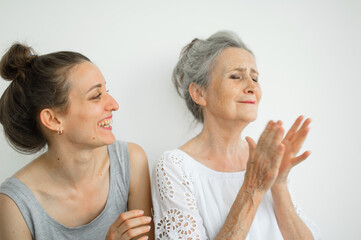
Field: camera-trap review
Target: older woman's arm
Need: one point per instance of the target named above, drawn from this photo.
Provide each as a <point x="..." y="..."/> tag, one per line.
<point x="290" y="224"/>
<point x="262" y="170"/>
<point x="241" y="215"/>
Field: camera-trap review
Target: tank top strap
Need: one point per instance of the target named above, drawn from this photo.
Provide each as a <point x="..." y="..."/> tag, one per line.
<point x="119" y="157"/>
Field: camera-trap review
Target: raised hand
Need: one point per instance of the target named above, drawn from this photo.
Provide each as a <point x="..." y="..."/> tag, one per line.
<point x="129" y="225"/>
<point x="293" y="142"/>
<point x="264" y="158"/>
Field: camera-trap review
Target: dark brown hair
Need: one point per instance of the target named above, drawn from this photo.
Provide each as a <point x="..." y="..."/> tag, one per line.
<point x="37" y="82"/>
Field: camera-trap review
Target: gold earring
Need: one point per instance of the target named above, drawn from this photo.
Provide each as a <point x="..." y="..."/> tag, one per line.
<point x="60" y="131"/>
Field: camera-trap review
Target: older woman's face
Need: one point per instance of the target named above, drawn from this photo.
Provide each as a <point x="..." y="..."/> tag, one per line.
<point x="233" y="93"/>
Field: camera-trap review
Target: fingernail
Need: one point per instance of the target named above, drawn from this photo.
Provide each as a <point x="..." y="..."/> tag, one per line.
<point x="141" y="212"/>
<point x="148" y="219"/>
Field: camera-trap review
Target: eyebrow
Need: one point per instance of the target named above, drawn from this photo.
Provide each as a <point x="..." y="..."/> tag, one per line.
<point x="243" y="69"/>
<point x="95" y="86"/>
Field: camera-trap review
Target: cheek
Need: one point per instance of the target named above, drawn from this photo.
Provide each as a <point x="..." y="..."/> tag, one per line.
<point x="259" y="94"/>
<point x="219" y="98"/>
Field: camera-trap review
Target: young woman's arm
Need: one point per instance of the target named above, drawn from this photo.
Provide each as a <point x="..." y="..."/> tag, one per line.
<point x="136" y="222"/>
<point x="12" y="223"/>
<point x="139" y="189"/>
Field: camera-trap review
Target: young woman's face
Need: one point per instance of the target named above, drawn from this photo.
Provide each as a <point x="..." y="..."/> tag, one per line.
<point x="89" y="114"/>
<point x="233" y="92"/>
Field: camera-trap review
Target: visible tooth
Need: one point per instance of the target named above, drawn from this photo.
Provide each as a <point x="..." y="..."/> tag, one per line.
<point x="99" y="124"/>
<point x="102" y="123"/>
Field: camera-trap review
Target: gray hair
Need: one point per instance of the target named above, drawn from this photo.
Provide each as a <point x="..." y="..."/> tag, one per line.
<point x="196" y="62"/>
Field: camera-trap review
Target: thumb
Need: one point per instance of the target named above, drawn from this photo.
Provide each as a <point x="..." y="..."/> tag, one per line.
<point x="301" y="158"/>
<point x="251" y="144"/>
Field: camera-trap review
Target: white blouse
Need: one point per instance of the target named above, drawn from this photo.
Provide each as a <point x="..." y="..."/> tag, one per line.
<point x="192" y="201"/>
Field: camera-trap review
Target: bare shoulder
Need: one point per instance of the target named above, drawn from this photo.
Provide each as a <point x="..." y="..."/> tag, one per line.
<point x="12" y="223"/>
<point x="138" y="166"/>
<point x="139" y="197"/>
<point x="27" y="173"/>
<point x="138" y="163"/>
<point x="136" y="154"/>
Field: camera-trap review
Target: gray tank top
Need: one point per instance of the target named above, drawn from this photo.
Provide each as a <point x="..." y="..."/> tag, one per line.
<point x="44" y="227"/>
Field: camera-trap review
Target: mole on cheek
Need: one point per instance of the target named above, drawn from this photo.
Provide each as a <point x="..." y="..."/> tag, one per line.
<point x="93" y="138"/>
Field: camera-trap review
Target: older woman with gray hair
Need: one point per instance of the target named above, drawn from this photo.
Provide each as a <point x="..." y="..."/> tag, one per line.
<point x="217" y="186"/>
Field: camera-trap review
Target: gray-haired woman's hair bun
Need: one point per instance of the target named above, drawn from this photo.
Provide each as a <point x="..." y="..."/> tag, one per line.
<point x="195" y="64"/>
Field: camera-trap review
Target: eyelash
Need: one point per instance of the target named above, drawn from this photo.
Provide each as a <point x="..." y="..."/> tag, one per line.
<point x="98" y="96"/>
<point x="236" y="77"/>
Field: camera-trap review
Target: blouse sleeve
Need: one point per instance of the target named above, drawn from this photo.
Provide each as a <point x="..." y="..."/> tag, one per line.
<point x="175" y="212"/>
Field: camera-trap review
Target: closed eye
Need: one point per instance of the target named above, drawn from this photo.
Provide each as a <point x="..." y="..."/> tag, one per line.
<point x="97" y="96"/>
<point x="235" y="77"/>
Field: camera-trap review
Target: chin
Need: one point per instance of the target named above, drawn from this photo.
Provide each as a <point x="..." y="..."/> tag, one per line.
<point x="248" y="118"/>
<point x="105" y="140"/>
<point x="110" y="140"/>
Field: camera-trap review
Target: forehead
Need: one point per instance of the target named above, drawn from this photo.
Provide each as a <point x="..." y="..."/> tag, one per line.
<point x="232" y="58"/>
<point x="85" y="75"/>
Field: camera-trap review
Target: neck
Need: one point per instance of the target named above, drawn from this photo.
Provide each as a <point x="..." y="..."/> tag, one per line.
<point x="220" y="141"/>
<point x="72" y="166"/>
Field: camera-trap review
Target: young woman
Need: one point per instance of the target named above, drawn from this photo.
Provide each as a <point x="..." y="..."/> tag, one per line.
<point x="86" y="185"/>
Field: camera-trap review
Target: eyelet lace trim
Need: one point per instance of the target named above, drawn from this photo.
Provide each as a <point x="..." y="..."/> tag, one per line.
<point x="176" y="222"/>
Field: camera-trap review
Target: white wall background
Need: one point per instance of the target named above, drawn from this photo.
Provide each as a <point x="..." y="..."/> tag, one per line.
<point x="308" y="54"/>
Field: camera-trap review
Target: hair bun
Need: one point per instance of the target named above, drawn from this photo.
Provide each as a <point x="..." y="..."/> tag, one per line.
<point x="13" y="64"/>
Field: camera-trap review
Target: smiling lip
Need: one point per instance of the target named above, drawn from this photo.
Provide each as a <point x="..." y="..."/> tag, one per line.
<point x="248" y="102"/>
<point x="106" y="123"/>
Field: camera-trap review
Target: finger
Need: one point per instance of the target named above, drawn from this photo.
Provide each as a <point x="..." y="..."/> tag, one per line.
<point x="134" y="232"/>
<point x="278" y="135"/>
<point x="143" y="238"/>
<point x="275" y="138"/>
<point x="301" y="158"/>
<point x="299" y="140"/>
<point x="276" y="143"/>
<point x="127" y="215"/>
<point x="265" y="133"/>
<point x="264" y="153"/>
<point x="133" y="223"/>
<point x="302" y="130"/>
<point x="251" y="146"/>
<point x="278" y="155"/>
<point x="267" y="138"/>
<point x="294" y="128"/>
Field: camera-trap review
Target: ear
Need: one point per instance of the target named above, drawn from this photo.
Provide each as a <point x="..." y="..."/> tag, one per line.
<point x="48" y="118"/>
<point x="198" y="94"/>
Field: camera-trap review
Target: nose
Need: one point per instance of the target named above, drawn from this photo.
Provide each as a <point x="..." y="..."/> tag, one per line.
<point x="250" y="87"/>
<point x="112" y="105"/>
